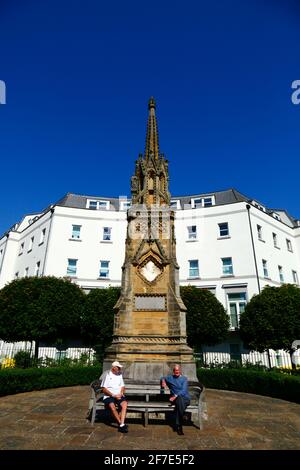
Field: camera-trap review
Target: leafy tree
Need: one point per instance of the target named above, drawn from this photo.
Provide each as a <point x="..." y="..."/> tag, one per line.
<point x="271" y="319"/>
<point x="40" y="308"/>
<point x="207" y="321"/>
<point x="98" y="317"/>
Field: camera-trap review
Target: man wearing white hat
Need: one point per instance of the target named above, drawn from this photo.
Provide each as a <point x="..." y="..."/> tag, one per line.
<point x="113" y="388"/>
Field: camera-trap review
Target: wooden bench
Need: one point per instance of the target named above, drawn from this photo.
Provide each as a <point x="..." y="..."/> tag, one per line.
<point x="146" y="399"/>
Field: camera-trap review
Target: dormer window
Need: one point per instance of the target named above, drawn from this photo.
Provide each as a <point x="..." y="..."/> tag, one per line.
<point x="124" y="205"/>
<point x="198" y="202"/>
<point x="97" y="205"/>
<point x="175" y="204"/>
<point x="259" y="206"/>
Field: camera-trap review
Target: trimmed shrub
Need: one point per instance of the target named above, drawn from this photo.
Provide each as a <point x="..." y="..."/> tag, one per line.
<point x="25" y="380"/>
<point x="272" y="384"/>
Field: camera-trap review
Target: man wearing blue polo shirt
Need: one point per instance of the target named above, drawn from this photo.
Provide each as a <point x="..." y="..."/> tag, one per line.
<point x="180" y="397"/>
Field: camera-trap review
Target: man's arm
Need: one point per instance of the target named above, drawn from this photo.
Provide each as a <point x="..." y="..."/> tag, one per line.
<point x="107" y="392"/>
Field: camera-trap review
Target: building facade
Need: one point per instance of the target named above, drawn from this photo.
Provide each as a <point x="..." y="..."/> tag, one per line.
<point x="226" y="243"/>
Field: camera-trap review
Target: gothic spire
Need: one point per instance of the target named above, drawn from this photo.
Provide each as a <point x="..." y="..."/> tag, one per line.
<point x="152" y="145"/>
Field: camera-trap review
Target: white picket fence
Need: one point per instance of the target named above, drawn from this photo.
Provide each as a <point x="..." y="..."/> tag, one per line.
<point x="8" y="350"/>
<point x="277" y="358"/>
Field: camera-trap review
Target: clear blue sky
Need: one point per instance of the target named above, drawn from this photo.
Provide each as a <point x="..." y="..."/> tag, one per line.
<point x="79" y="75"/>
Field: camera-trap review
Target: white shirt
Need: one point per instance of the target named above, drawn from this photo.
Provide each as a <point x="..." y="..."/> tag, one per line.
<point x="113" y="383"/>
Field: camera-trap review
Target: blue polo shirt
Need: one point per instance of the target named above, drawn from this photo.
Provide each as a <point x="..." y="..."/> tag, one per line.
<point x="178" y="385"/>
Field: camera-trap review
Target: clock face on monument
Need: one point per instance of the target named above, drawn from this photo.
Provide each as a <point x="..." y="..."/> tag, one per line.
<point x="150" y="271"/>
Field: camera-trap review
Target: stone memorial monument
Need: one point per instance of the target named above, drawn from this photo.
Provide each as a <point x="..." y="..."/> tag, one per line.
<point x="150" y="317"/>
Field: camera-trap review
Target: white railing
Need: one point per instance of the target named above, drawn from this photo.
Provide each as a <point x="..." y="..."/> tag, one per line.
<point x="277" y="358"/>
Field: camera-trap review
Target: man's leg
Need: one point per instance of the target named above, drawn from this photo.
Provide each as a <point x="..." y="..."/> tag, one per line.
<point x="123" y="411"/>
<point x="114" y="412"/>
<point x="180" y="407"/>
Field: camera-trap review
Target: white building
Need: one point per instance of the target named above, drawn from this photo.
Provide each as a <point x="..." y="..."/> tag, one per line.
<point x="226" y="242"/>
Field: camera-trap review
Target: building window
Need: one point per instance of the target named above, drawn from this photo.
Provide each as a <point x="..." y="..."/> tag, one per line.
<point x="259" y="232"/>
<point x="223" y="229"/>
<point x="124" y="205"/>
<point x="227" y="266"/>
<point x="21" y="249"/>
<point x="30" y="244"/>
<point x="295" y="277"/>
<point x="280" y="272"/>
<point x="17" y="275"/>
<point x="26" y="272"/>
<point x="97" y="205"/>
<point x="106" y="234"/>
<point x="198" y="202"/>
<point x="237" y="304"/>
<point x="93" y="205"/>
<point x="76" y="231"/>
<point x="192" y="232"/>
<point x="43" y="236"/>
<point x="104" y="269"/>
<point x="265" y="268"/>
<point x="72" y="267"/>
<point x="289" y="245"/>
<point x="207" y="202"/>
<point x="175" y="204"/>
<point x="37" y="268"/>
<point x="193" y="268"/>
<point x="275" y="242"/>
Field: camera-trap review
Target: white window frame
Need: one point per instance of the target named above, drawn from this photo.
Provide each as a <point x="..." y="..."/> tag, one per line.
<point x="124" y="205"/>
<point x="175" y="202"/>
<point x="108" y="234"/>
<point x="289" y="245"/>
<point x="70" y="268"/>
<point x="192" y="234"/>
<point x="198" y="202"/>
<point x="73" y="235"/>
<point x="226" y="267"/>
<point x="237" y="304"/>
<point x="43" y="236"/>
<point x="193" y="276"/>
<point x="265" y="268"/>
<point x="104" y="270"/>
<point x="295" y="277"/>
<point x="280" y="272"/>
<point x="223" y="235"/>
<point x="259" y="232"/>
<point x="37" y="268"/>
<point x="31" y="242"/>
<point x="275" y="239"/>
<point x="100" y="204"/>
<point x="26" y="271"/>
<point x="21" y="248"/>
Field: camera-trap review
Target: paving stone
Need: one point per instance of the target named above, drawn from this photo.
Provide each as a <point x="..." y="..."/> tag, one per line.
<point x="56" y="419"/>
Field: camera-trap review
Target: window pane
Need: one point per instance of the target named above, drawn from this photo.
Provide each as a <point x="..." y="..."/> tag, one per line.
<point x="194" y="268"/>
<point x="223" y="229"/>
<point x="93" y="205"/>
<point x="233" y="315"/>
<point x="227" y="266"/>
<point x="76" y="231"/>
<point x="207" y="201"/>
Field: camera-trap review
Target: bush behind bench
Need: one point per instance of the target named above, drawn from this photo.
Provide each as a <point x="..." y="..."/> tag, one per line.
<point x="271" y="384"/>
<point x="25" y="380"/>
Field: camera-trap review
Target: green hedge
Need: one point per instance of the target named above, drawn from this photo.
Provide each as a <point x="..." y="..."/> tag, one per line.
<point x="25" y="380"/>
<point x="271" y="384"/>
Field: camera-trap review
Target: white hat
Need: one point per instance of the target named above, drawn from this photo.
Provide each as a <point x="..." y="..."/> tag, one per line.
<point x="116" y="364"/>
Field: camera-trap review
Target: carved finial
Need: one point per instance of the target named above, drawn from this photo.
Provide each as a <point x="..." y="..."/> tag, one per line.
<point x="151" y="103"/>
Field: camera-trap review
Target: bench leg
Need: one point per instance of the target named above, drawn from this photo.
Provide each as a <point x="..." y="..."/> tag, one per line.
<point x="93" y="416"/>
<point x="146" y="417"/>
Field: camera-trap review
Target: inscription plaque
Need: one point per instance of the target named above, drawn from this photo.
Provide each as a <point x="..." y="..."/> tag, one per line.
<point x="150" y="302"/>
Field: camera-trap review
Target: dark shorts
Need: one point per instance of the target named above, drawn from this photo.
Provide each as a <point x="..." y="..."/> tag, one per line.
<point x="109" y="400"/>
